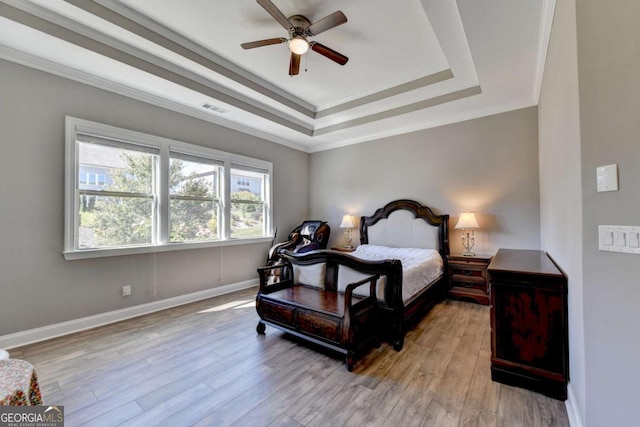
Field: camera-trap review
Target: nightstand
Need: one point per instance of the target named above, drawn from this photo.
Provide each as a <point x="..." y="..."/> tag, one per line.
<point x="468" y="278"/>
<point x="342" y="249"/>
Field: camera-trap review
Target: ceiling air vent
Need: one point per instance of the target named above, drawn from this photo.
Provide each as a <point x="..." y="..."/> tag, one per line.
<point x="214" y="109"/>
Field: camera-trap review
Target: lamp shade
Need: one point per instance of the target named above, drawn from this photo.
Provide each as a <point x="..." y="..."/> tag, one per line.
<point x="467" y="220"/>
<point x="347" y="222"/>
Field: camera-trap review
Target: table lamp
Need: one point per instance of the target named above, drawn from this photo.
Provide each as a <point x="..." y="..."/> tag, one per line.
<point x="468" y="223"/>
<point x="348" y="225"/>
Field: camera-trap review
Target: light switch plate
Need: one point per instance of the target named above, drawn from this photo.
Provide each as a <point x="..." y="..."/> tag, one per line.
<point x="607" y="177"/>
<point x="619" y="238"/>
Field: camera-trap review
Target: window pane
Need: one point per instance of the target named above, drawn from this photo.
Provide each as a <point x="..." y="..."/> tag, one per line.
<point x="247" y="203"/>
<point x="190" y="178"/>
<point x="115" y="169"/>
<point x="193" y="220"/>
<point x="247" y="185"/>
<point x="193" y="214"/>
<point x="112" y="220"/>
<point x="115" y="221"/>
<point x="247" y="220"/>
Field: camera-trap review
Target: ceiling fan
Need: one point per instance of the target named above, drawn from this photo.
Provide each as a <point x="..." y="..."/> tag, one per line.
<point x="300" y="29"/>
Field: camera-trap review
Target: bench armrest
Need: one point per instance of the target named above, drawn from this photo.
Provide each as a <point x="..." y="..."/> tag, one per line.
<point x="271" y="282"/>
<point x="348" y="292"/>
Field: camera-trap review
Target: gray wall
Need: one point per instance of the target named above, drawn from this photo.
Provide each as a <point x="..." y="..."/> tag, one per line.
<point x="489" y="165"/>
<point x="37" y="285"/>
<point x="609" y="70"/>
<point x="560" y="178"/>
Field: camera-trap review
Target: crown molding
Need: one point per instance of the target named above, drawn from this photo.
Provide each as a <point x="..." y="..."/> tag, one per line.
<point x="63" y="71"/>
<point x="546" y="24"/>
<point x="416" y="127"/>
<point x="127" y="18"/>
<point x="398" y="111"/>
<point x="63" y="28"/>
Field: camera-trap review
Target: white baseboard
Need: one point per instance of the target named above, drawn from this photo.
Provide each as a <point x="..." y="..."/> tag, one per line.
<point x="575" y="420"/>
<point x="31" y="336"/>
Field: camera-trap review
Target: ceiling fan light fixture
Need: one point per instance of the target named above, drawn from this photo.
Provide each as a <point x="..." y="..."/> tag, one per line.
<point x="299" y="28"/>
<point x="298" y="45"/>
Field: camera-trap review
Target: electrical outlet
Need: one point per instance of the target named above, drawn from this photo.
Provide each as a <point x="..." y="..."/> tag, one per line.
<point x="126" y="290"/>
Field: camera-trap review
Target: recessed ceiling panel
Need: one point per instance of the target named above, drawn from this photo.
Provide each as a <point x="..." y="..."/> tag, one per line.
<point x="388" y="43"/>
<point x="412" y="65"/>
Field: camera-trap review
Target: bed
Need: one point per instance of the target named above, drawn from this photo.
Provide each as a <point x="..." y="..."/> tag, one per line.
<point x="408" y="231"/>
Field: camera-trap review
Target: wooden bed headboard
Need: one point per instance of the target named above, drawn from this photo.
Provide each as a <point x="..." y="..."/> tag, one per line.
<point x="406" y="224"/>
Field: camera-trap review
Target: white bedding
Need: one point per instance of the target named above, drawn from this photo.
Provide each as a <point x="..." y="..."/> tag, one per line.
<point x="420" y="267"/>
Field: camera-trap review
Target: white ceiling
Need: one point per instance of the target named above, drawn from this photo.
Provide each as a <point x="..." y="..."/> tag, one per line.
<point x="413" y="64"/>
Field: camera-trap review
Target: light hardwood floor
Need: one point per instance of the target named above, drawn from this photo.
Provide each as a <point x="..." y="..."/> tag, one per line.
<point x="203" y="364"/>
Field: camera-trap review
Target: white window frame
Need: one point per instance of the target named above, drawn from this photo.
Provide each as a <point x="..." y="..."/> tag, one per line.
<point x="219" y="199"/>
<point x="75" y="125"/>
<point x="266" y="188"/>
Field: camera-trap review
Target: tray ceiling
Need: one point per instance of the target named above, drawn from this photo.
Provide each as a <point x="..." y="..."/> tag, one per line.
<point x="412" y="65"/>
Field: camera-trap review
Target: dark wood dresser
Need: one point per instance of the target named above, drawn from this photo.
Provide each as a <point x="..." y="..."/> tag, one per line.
<point x="529" y="326"/>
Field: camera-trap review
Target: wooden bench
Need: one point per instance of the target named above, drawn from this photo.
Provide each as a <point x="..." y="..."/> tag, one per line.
<point x="306" y="296"/>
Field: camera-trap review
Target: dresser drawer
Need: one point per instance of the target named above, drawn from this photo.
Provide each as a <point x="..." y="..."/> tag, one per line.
<point x="469" y="285"/>
<point x="461" y="278"/>
<point x="460" y="261"/>
<point x="318" y="325"/>
<point x="472" y="270"/>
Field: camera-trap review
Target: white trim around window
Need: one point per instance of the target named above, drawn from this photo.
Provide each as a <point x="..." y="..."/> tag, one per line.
<point x="156" y="190"/>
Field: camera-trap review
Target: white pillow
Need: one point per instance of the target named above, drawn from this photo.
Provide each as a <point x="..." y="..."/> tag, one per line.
<point x="347" y="275"/>
<point x="310" y="275"/>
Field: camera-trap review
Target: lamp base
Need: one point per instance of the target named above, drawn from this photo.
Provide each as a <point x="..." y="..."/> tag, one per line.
<point x="347" y="238"/>
<point x="467" y="243"/>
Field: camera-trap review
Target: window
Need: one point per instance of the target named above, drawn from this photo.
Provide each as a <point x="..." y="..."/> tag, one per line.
<point x="248" y="205"/>
<point x="124" y="215"/>
<point x="128" y="192"/>
<point x="194" y="207"/>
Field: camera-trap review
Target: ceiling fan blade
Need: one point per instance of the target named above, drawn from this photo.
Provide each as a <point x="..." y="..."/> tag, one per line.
<point x="326" y="23"/>
<point x="329" y="53"/>
<point x="260" y="43"/>
<point x="275" y="12"/>
<point x="294" y="64"/>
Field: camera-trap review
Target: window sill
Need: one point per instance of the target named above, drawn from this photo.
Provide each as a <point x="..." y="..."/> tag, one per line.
<point x="101" y="253"/>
